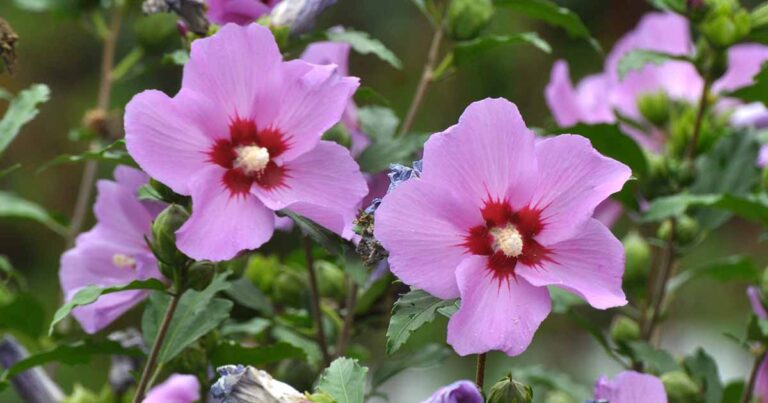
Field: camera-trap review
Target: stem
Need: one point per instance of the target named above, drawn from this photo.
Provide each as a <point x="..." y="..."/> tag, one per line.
<point x="664" y="274"/>
<point x="480" y="372"/>
<point x="749" y="388"/>
<point x="426" y="79"/>
<point x="699" y="118"/>
<point x="102" y="104"/>
<point x="315" y="301"/>
<point x="149" y="367"/>
<point x="349" y="318"/>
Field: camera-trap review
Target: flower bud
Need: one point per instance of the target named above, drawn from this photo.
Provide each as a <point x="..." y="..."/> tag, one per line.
<point x="725" y="23"/>
<point x="331" y="281"/>
<point x="239" y="384"/>
<point x="288" y="289"/>
<point x="558" y="396"/>
<point x="638" y="254"/>
<point x="200" y="274"/>
<point x="507" y="390"/>
<point x="624" y="329"/>
<point x="686" y="230"/>
<point x="680" y="387"/>
<point x="164" y="229"/>
<point x="262" y="271"/>
<point x="655" y="107"/>
<point x="466" y="18"/>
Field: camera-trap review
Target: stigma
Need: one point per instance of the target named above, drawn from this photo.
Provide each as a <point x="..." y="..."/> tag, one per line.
<point x="251" y="159"/>
<point x="507" y="240"/>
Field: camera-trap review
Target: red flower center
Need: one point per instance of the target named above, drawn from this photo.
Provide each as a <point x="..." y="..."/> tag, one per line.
<point x="248" y="155"/>
<point x="507" y="237"/>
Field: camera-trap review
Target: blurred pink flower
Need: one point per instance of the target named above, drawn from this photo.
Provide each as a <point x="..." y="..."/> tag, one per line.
<point x="761" y="381"/>
<point x="242" y="137"/>
<point x="495" y="217"/>
<point x="457" y="392"/>
<point x="176" y="389"/>
<point x="241" y="12"/>
<point x="113" y="252"/>
<point x="631" y="387"/>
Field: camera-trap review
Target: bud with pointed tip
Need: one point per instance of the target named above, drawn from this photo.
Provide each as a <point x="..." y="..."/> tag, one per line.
<point x="624" y="329"/>
<point x="508" y="390"/>
<point x="170" y="259"/>
<point x="466" y="18"/>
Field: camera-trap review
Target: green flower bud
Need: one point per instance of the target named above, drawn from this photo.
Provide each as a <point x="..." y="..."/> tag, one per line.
<point x="680" y="387"/>
<point x="340" y="135"/>
<point x="200" y="274"/>
<point x="508" y="390"/>
<point x="330" y="281"/>
<point x="655" y="107"/>
<point x="760" y="16"/>
<point x="726" y="23"/>
<point x="164" y="239"/>
<point x="288" y="289"/>
<point x="466" y="18"/>
<point x="558" y="396"/>
<point x="638" y="254"/>
<point x="686" y="230"/>
<point x="262" y="270"/>
<point x="624" y="329"/>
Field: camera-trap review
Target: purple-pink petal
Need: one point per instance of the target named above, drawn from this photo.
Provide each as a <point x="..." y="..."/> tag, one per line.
<point x="241" y="12"/>
<point x="760" y="391"/>
<point x="176" y="389"/>
<point x="585" y="104"/>
<point x="457" y="392"/>
<point x="756" y="300"/>
<point x="631" y="387"/>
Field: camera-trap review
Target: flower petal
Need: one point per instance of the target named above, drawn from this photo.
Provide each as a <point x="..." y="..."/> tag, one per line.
<point x="631" y="387"/>
<point x="489" y="153"/>
<point x="222" y="224"/>
<point x="424" y="227"/>
<point x="241" y="12"/>
<point x="176" y="389"/>
<point x="761" y="382"/>
<point x="573" y="179"/>
<point x="586" y="104"/>
<point x="744" y="62"/>
<point x="590" y="264"/>
<point x="122" y="218"/>
<point x="326" y="177"/>
<point x="495" y="315"/>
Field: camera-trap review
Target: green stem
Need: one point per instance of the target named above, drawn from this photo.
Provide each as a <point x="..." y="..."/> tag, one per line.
<point x="149" y="368"/>
<point x="349" y="317"/>
<point x="702" y="109"/>
<point x="315" y="301"/>
<point x="658" y="294"/>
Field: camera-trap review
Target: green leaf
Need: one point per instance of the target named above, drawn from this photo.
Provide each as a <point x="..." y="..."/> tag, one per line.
<point x="610" y="141"/>
<point x="22" y="109"/>
<point x="91" y="293"/>
<point x="677" y="6"/>
<point x="703" y="369"/>
<point x="309" y="347"/>
<point x="327" y="239"/>
<point x="25" y="314"/>
<point x="12" y="206"/>
<point x="657" y="361"/>
<point x="750" y="207"/>
<point x="70" y="354"/>
<point x="230" y="352"/>
<point x="733" y="391"/>
<point x="178" y="57"/>
<point x="553" y="14"/>
<point x="362" y="43"/>
<point x="410" y="312"/>
<point x="722" y="269"/>
<point x="425" y="357"/>
<point x="253" y="327"/>
<point x="466" y="52"/>
<point x="386" y="148"/>
<point x="638" y="58"/>
<point x="114" y="154"/>
<point x="344" y="381"/>
<point x="563" y="301"/>
<point x="197" y="313"/>
<point x="246" y="294"/>
<point x="758" y="91"/>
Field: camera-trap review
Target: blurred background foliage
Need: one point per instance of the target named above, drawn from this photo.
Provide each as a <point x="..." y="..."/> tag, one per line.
<point x="59" y="50"/>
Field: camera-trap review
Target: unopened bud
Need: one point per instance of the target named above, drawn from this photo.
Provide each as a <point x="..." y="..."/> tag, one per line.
<point x="624" y="329"/>
<point x="508" y="390"/>
<point x="331" y="281"/>
<point x="164" y="229"/>
<point x="680" y="387"/>
<point x="466" y="18"/>
<point x="262" y="271"/>
<point x="200" y="274"/>
<point x="638" y="254"/>
<point x="655" y="107"/>
<point x="725" y="23"/>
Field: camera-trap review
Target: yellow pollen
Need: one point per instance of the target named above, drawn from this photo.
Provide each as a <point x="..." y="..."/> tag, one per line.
<point x="251" y="159"/>
<point x="507" y="240"/>
<point x="123" y="261"/>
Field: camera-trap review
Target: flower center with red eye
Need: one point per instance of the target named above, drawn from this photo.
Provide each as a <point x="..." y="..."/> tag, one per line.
<point x="507" y="237"/>
<point x="248" y="156"/>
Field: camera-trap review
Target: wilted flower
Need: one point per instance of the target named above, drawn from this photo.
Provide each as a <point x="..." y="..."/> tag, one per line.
<point x="299" y="15"/>
<point x="114" y="252"/>
<point x="240" y="384"/>
<point x="761" y="380"/>
<point x="457" y="392"/>
<point x="495" y="217"/>
<point x="191" y="12"/>
<point x="241" y="12"/>
<point x="630" y="387"/>
<point x="176" y="389"/>
<point x="242" y="137"/>
<point x="122" y="367"/>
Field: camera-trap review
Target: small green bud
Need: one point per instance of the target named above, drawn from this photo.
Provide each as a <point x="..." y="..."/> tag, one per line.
<point x="200" y="274"/>
<point x="725" y="23"/>
<point x="262" y="271"/>
<point x="331" y="281"/>
<point x="638" y="254"/>
<point x="686" y="230"/>
<point x="624" y="329"/>
<point x="164" y="239"/>
<point x="508" y="390"/>
<point x="288" y="289"/>
<point x="558" y="396"/>
<point x="680" y="387"/>
<point x="339" y="134"/>
<point x="466" y="18"/>
<point x="655" y="107"/>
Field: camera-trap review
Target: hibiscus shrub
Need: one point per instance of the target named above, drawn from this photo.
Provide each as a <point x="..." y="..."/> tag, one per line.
<point x="275" y="231"/>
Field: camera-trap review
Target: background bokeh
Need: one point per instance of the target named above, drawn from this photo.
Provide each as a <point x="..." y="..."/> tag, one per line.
<point x="62" y="53"/>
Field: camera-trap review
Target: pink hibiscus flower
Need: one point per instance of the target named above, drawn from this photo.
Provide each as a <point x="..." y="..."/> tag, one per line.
<point x="495" y="217"/>
<point x="241" y="12"/>
<point x="631" y="387"/>
<point x="242" y="137"/>
<point x="176" y="389"/>
<point x="113" y="252"/>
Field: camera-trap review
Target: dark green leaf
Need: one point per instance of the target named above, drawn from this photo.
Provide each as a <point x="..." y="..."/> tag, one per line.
<point x="677" y="6"/>
<point x="22" y="109"/>
<point x="25" y="314"/>
<point x="327" y="239"/>
<point x="12" y="206"/>
<point x="231" y="352"/>
<point x="553" y="14"/>
<point x="466" y="52"/>
<point x="610" y="141"/>
<point x="91" y="293"/>
<point x="428" y="356"/>
<point x="750" y="207"/>
<point x="723" y="269"/>
<point x="362" y="43"/>
<point x="246" y="294"/>
<point x="410" y="312"/>
<point x="733" y="392"/>
<point x="197" y="313"/>
<point x="657" y="361"/>
<point x="309" y="347"/>
<point x="114" y="154"/>
<point x="344" y="381"/>
<point x="703" y="369"/>
<point x="380" y="124"/>
<point x="758" y="91"/>
<point x="638" y="58"/>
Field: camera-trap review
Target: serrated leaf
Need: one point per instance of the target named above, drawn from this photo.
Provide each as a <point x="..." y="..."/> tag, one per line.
<point x="231" y="352"/>
<point x="410" y="312"/>
<point x="428" y="356"/>
<point x="466" y="52"/>
<point x="344" y="381"/>
<point x="22" y="109"/>
<point x="114" y="153"/>
<point x="677" y="6"/>
<point x="611" y="142"/>
<point x="253" y="327"/>
<point x="91" y="293"/>
<point x="197" y="313"/>
<point x="638" y="58"/>
<point x="12" y="206"/>
<point x="362" y="43"/>
<point x="553" y="14"/>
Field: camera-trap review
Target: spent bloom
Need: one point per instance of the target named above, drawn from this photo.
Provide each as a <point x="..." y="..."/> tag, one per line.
<point x="242" y="137"/>
<point x="597" y="97"/>
<point x="761" y="380"/>
<point x="176" y="389"/>
<point x="241" y="12"/>
<point x="299" y="15"/>
<point x="630" y="387"/>
<point x="497" y="216"/>
<point x="457" y="392"/>
<point x="243" y="384"/>
<point x="113" y="252"/>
